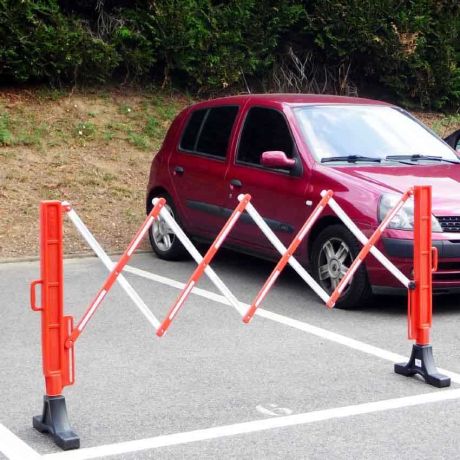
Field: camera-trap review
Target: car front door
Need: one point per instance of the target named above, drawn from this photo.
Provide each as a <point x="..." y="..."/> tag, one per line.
<point x="278" y="194"/>
<point x="198" y="167"/>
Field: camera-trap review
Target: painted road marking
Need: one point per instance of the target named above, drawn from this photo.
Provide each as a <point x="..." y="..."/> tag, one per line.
<point x="294" y="323"/>
<point x="273" y="410"/>
<point x="253" y="426"/>
<point x="15" y="448"/>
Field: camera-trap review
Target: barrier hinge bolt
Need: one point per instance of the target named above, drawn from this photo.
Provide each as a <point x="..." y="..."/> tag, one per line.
<point x="411" y="285"/>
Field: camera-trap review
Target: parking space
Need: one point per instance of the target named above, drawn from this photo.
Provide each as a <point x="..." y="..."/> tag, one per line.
<point x="299" y="381"/>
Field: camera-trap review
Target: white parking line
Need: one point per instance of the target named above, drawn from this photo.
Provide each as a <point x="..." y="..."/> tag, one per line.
<point x="253" y="426"/>
<point x="15" y="448"/>
<point x="300" y="325"/>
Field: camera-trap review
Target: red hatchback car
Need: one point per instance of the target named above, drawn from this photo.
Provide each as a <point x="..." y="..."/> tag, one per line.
<point x="284" y="149"/>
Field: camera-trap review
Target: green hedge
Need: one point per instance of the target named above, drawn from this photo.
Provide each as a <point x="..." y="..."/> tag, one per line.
<point x="407" y="51"/>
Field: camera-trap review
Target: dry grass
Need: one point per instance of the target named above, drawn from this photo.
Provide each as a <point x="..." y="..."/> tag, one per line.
<point x="93" y="149"/>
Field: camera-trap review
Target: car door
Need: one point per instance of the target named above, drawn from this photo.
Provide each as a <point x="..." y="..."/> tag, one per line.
<point x="198" y="167"/>
<point x="278" y="195"/>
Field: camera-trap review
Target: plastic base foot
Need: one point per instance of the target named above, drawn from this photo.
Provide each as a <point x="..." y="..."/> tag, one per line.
<point x="54" y="421"/>
<point x="422" y="362"/>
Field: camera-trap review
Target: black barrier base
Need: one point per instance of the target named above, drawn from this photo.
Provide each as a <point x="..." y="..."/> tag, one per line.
<point x="422" y="362"/>
<point x="54" y="420"/>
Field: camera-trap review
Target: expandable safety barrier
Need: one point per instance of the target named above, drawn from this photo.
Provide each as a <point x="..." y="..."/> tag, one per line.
<point x="59" y="334"/>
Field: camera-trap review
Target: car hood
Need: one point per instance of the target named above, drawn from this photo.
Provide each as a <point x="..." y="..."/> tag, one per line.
<point x="445" y="180"/>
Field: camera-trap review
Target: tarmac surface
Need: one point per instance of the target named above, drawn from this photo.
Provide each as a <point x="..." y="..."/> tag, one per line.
<point x="300" y="381"/>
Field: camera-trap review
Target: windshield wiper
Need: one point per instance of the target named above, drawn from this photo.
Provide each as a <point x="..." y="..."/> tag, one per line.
<point x="417" y="157"/>
<point x="351" y="159"/>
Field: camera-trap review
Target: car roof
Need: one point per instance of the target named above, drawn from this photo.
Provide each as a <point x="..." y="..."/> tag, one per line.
<point x="291" y="99"/>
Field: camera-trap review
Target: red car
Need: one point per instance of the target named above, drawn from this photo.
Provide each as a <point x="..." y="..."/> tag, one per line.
<point x="284" y="150"/>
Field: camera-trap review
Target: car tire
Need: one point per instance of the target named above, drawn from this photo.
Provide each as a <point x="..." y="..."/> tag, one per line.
<point x="333" y="250"/>
<point x="164" y="242"/>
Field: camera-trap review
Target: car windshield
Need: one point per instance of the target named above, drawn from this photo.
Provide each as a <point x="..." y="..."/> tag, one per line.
<point x="370" y="132"/>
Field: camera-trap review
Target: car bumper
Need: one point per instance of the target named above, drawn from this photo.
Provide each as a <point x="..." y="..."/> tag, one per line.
<point x="405" y="248"/>
<point x="400" y="251"/>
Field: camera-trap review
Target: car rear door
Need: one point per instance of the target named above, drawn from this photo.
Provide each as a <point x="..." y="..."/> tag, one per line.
<point x="198" y="167"/>
<point x="278" y="195"/>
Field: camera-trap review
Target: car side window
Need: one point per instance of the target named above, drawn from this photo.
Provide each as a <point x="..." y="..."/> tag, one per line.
<point x="192" y="129"/>
<point x="264" y="130"/>
<point x="208" y="131"/>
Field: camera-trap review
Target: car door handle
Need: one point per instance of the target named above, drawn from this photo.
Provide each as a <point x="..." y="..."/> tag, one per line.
<point x="179" y="170"/>
<point x="236" y="183"/>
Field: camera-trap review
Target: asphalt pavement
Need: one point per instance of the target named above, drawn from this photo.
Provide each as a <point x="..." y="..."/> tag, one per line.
<point x="300" y="381"/>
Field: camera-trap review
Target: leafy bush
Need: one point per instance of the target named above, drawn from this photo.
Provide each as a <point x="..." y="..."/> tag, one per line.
<point x="407" y="51"/>
<point x="39" y="43"/>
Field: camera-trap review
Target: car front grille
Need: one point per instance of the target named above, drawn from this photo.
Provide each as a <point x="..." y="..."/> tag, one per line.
<point x="449" y="224"/>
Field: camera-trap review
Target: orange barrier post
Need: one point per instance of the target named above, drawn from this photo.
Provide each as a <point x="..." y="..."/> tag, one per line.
<point x="420" y="299"/>
<point x="226" y="229"/>
<point x="58" y="361"/>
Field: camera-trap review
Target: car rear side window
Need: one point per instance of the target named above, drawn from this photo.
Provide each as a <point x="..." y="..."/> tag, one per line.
<point x="208" y="131"/>
<point x="264" y="130"/>
<point x="193" y="128"/>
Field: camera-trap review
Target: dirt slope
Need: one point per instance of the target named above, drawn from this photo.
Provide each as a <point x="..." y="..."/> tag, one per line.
<point x="93" y="149"/>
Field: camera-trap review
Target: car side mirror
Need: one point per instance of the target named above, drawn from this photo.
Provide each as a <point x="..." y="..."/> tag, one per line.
<point x="276" y="159"/>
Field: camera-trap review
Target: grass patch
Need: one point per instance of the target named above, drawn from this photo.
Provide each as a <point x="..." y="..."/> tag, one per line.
<point x="6" y="137"/>
<point x="85" y="129"/>
<point x="53" y="118"/>
<point x="138" y="140"/>
<point x="151" y="128"/>
<point x="21" y="130"/>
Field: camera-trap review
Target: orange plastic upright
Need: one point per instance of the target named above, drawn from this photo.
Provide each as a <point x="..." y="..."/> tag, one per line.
<point x="58" y="361"/>
<point x="421" y="297"/>
<point x="420" y="304"/>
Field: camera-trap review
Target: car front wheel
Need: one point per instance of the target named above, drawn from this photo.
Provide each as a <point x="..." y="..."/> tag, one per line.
<point x="163" y="240"/>
<point x="333" y="251"/>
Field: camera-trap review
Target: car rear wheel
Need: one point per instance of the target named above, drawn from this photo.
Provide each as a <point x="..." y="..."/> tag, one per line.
<point x="333" y="251"/>
<point x="163" y="240"/>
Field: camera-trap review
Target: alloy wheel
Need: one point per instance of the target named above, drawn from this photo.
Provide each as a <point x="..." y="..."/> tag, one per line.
<point x="333" y="262"/>
<point x="162" y="234"/>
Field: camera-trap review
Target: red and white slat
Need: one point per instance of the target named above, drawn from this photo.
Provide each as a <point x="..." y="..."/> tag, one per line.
<point x="279" y="246"/>
<point x="105" y="259"/>
<point x="287" y="256"/>
<point x="110" y="280"/>
<point x="403" y="279"/>
<point x="189" y="246"/>
<point x="203" y="264"/>
<point x="367" y="248"/>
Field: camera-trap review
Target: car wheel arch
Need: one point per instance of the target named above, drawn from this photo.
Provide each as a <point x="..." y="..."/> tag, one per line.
<point x="319" y="226"/>
<point x="153" y="193"/>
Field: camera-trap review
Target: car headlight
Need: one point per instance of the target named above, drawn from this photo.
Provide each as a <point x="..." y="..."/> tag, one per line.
<point x="404" y="219"/>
